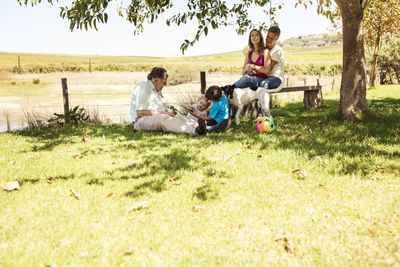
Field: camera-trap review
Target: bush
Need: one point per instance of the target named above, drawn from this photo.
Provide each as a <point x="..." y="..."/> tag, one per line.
<point x="75" y="115"/>
<point x="35" y="81"/>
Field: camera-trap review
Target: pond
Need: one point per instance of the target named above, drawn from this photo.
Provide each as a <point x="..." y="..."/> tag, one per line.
<point x="15" y="125"/>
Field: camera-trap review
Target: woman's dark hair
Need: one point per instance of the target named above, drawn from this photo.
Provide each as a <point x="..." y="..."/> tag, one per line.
<point x="275" y="30"/>
<point x="213" y="93"/>
<point x="261" y="45"/>
<point x="157" y="73"/>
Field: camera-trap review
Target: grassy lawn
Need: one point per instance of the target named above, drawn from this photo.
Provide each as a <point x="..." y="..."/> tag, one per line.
<point x="227" y="199"/>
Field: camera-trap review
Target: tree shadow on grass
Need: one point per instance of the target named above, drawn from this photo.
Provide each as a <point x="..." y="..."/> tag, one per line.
<point x="320" y="133"/>
<point x="312" y="134"/>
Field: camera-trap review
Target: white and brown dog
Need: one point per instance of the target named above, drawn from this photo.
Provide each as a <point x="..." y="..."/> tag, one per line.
<point x="240" y="97"/>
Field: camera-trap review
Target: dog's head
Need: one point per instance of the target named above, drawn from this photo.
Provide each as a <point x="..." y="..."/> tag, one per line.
<point x="228" y="90"/>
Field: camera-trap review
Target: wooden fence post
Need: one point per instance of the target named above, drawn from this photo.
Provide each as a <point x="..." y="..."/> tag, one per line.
<point x="65" y="97"/>
<point x="287" y="79"/>
<point x="19" y="65"/>
<point x="333" y="81"/>
<point x="203" y="81"/>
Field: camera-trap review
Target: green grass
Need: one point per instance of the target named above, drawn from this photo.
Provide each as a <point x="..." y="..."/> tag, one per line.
<point x="345" y="212"/>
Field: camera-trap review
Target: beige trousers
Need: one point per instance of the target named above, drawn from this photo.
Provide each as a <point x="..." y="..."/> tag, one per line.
<point x="166" y="123"/>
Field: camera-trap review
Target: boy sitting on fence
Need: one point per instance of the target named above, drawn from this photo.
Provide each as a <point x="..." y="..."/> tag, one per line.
<point x="218" y="119"/>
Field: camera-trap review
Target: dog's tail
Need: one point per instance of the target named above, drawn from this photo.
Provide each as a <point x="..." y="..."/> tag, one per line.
<point x="228" y="90"/>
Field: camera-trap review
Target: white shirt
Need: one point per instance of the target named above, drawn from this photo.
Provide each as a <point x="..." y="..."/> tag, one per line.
<point x="195" y="108"/>
<point x="146" y="97"/>
<point x="278" y="56"/>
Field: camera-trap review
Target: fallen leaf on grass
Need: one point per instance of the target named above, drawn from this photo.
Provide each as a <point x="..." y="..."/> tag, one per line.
<point x="353" y="139"/>
<point x="289" y="245"/>
<point x="10" y="186"/>
<point x="380" y="167"/>
<point x="198" y="208"/>
<point x="248" y="146"/>
<point x="176" y="183"/>
<point x="300" y="172"/>
<point x="377" y="178"/>
<point x="74" y="193"/>
<point x="305" y="140"/>
<point x="12" y="162"/>
<point x="49" y="179"/>
<point x="280" y="235"/>
<point x="111" y="194"/>
<point x="115" y="162"/>
<point x="34" y="157"/>
<point x="130" y="250"/>
<point x="260" y="156"/>
<point x="298" y="136"/>
<point x="80" y="156"/>
<point x="52" y="265"/>
<point x="172" y="179"/>
<point x="373" y="233"/>
<point x="140" y="205"/>
<point x="396" y="134"/>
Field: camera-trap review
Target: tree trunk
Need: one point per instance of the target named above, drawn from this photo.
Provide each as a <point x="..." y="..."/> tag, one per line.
<point x="353" y="90"/>
<point x="377" y="47"/>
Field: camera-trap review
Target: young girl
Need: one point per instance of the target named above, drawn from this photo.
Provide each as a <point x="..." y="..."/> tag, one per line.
<point x="200" y="108"/>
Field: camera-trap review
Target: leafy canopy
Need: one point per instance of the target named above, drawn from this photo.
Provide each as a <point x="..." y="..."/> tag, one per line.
<point x="209" y="14"/>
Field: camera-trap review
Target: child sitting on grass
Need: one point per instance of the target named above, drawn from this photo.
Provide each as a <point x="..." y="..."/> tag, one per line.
<point x="200" y="108"/>
<point x="218" y="119"/>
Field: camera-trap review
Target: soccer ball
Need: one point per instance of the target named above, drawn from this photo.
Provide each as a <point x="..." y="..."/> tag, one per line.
<point x="265" y="124"/>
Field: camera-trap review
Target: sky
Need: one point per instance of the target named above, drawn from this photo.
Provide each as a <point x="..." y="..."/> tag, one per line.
<point x="40" y="29"/>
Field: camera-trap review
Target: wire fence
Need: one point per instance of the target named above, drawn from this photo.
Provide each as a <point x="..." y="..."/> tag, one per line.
<point x="106" y="101"/>
<point x="110" y="101"/>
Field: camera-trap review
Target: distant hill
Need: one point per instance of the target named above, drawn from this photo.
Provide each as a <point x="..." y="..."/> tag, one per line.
<point x="313" y="40"/>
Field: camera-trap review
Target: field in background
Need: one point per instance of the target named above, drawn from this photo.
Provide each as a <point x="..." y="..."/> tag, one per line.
<point x="296" y="59"/>
<point x="107" y="88"/>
